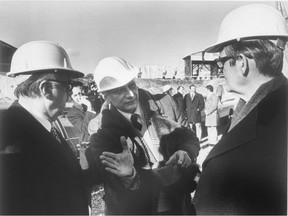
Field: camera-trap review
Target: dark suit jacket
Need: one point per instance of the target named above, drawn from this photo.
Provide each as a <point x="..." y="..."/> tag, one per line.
<point x="194" y="107"/>
<point x="178" y="97"/>
<point x="38" y="174"/>
<point x="246" y="172"/>
<point x="118" y="199"/>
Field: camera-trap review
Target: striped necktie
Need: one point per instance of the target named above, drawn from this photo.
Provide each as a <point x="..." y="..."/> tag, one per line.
<point x="136" y="121"/>
<point x="54" y="132"/>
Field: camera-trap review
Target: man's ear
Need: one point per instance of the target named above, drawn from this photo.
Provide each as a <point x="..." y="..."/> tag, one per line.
<point x="106" y="98"/>
<point x="244" y="64"/>
<point x="46" y="89"/>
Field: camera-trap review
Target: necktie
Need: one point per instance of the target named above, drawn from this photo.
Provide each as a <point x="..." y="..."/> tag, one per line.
<point x="192" y="96"/>
<point x="55" y="133"/>
<point x="136" y="119"/>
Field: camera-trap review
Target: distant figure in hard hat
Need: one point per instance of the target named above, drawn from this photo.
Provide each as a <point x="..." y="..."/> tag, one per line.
<point x="126" y="148"/>
<point x="246" y="172"/>
<point x="193" y="105"/>
<point x="40" y="174"/>
<point x="167" y="89"/>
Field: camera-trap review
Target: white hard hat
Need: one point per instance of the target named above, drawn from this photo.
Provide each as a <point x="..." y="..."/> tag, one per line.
<point x="38" y="56"/>
<point x="253" y="21"/>
<point x="166" y="88"/>
<point x="113" y="72"/>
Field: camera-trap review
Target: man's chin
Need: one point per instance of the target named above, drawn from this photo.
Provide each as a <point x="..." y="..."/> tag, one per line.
<point x="130" y="109"/>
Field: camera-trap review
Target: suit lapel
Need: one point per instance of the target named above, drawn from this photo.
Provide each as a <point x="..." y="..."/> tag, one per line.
<point x="239" y="135"/>
<point x="41" y="141"/>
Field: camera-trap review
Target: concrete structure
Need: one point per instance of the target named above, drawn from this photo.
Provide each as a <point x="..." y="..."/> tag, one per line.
<point x="201" y="67"/>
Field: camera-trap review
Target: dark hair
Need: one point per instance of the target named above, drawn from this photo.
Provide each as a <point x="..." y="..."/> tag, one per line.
<point x="210" y="88"/>
<point x="268" y="57"/>
<point x="179" y="87"/>
<point x="192" y="86"/>
<point x="30" y="87"/>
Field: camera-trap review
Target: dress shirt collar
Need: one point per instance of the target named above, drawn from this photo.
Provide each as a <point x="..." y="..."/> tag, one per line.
<point x="128" y="115"/>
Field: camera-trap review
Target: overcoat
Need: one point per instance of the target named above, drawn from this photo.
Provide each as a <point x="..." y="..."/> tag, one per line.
<point x="194" y="107"/>
<point x="180" y="100"/>
<point x="143" y="201"/>
<point x="246" y="172"/>
<point x="39" y="175"/>
<point x="211" y="108"/>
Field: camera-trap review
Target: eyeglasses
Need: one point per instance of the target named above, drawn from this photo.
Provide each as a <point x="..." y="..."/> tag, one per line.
<point x="67" y="84"/>
<point x="221" y="61"/>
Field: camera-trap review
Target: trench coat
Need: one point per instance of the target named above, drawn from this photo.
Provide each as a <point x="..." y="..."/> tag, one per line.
<point x="194" y="107"/>
<point x="143" y="201"/>
<point x="211" y="109"/>
<point x="246" y="172"/>
<point x="38" y="174"/>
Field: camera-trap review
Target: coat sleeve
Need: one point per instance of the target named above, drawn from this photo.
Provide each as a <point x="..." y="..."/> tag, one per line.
<point x="109" y="140"/>
<point x="201" y="103"/>
<point x="180" y="139"/>
<point x="179" y="115"/>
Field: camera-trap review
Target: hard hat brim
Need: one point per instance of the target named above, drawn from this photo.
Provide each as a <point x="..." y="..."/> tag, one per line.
<point x="128" y="80"/>
<point x="71" y="73"/>
<point x="218" y="47"/>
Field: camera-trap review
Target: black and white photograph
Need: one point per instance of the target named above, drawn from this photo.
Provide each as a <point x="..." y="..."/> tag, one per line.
<point x="143" y="107"/>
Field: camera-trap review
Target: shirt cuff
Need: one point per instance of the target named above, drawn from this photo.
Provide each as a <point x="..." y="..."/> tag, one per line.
<point x="132" y="182"/>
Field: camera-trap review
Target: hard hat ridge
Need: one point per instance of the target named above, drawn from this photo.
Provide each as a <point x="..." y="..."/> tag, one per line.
<point x="252" y="21"/>
<point x="40" y="56"/>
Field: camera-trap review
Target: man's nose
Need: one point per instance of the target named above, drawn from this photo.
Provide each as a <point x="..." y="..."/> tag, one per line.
<point x="129" y="92"/>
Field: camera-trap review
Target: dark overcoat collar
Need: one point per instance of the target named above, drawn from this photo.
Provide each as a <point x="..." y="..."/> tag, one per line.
<point x="240" y="135"/>
<point x="39" y="141"/>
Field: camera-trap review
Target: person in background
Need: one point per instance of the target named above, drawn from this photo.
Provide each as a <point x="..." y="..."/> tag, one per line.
<point x="219" y="92"/>
<point x="167" y="89"/>
<point x="179" y="98"/>
<point x="168" y="106"/>
<point x="212" y="116"/>
<point x="81" y="112"/>
<point x="40" y="174"/>
<point x="193" y="105"/>
<point x="141" y="177"/>
<point x="246" y="172"/>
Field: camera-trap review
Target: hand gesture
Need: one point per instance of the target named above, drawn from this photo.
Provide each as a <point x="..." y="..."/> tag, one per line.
<point x="119" y="164"/>
<point x="181" y="158"/>
<point x="86" y="102"/>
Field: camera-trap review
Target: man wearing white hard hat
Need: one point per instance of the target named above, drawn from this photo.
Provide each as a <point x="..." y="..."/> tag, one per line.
<point x="246" y="172"/>
<point x="130" y="148"/>
<point x="40" y="173"/>
<point x="167" y="89"/>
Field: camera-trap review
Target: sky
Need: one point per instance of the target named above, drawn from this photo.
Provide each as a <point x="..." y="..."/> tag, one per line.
<point x="142" y="32"/>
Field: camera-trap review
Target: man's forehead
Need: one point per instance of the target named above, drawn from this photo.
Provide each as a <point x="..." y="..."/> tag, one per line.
<point x="62" y="76"/>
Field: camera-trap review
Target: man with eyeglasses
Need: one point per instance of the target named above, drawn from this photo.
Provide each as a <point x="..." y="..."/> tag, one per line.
<point x="40" y="173"/>
<point x="246" y="172"/>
